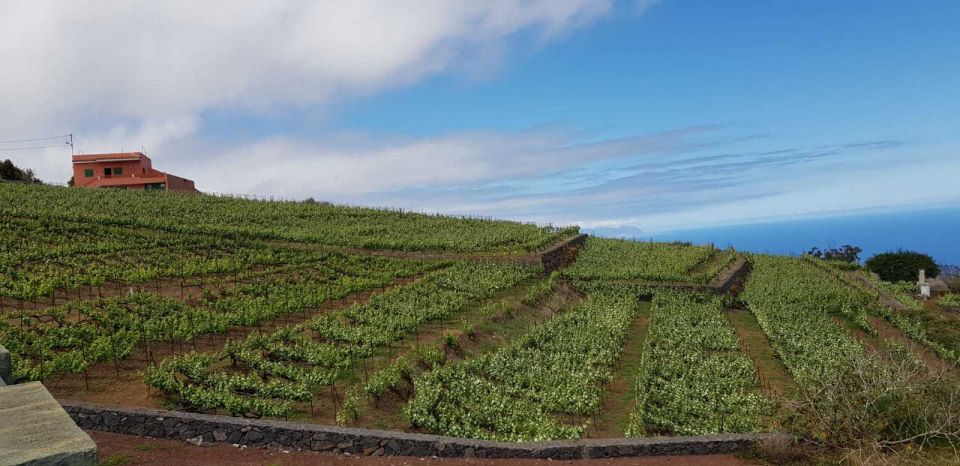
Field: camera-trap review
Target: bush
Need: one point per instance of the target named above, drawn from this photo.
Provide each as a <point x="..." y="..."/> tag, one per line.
<point x="902" y="266"/>
<point x="11" y="172"/>
<point x="886" y="402"/>
<point x="846" y="253"/>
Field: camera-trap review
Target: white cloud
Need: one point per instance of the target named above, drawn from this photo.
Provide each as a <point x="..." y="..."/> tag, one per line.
<point x="77" y="62"/>
<point x="368" y="168"/>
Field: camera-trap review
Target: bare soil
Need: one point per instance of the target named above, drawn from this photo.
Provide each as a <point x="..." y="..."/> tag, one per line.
<point x="774" y="376"/>
<point x="487" y="333"/>
<point x="619" y="399"/>
<point x="119" y="449"/>
<point x="121" y="384"/>
<point x="886" y="331"/>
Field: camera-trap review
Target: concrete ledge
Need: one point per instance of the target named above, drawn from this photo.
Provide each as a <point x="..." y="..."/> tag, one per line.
<point x="35" y="430"/>
<point x="203" y="428"/>
<point x="6" y="370"/>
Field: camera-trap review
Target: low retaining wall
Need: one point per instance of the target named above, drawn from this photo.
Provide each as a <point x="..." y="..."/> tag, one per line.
<point x="562" y="254"/>
<point x="202" y="429"/>
<point x="6" y="373"/>
<point x="731" y="279"/>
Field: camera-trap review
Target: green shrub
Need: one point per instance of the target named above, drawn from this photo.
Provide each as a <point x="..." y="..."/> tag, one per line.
<point x="429" y="357"/>
<point x="451" y="341"/>
<point x="902" y="266"/>
<point x="950" y="301"/>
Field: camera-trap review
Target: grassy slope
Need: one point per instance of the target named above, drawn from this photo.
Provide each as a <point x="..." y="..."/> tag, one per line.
<point x="294" y="221"/>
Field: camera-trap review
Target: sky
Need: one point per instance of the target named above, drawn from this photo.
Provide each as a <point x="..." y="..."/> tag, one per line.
<point x="643" y="115"/>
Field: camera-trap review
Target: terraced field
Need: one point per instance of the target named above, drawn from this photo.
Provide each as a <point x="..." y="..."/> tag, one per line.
<point x="275" y="310"/>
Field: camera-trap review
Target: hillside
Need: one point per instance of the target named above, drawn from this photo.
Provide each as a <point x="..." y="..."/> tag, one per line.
<point x="222" y="306"/>
<point x="292" y="221"/>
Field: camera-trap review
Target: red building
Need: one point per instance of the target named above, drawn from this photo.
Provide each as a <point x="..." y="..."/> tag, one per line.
<point x="125" y="170"/>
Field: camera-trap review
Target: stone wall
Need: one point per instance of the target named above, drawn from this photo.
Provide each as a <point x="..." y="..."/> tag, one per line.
<point x="732" y="279"/>
<point x="6" y="375"/>
<point x="203" y="429"/>
<point x="562" y="254"/>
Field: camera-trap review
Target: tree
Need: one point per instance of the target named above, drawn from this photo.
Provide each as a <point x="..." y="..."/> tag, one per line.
<point x="846" y="253"/>
<point x="902" y="266"/>
<point x="11" y="172"/>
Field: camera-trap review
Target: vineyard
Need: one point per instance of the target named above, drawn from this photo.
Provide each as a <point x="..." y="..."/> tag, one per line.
<point x="269" y="309"/>
<point x="274" y="220"/>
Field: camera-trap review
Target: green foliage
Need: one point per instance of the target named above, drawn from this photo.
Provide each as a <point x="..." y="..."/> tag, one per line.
<point x="294" y="221"/>
<point x="844" y="254"/>
<point x="540" y="290"/>
<point x="350" y="411"/>
<point x="391" y="378"/>
<point x="693" y="379"/>
<point x="902" y="266"/>
<point x="517" y="393"/>
<point x="430" y="357"/>
<point x="949" y="301"/>
<point x="794" y="302"/>
<point x="11" y="172"/>
<point x="308" y="357"/>
<point x="615" y="259"/>
<point x="66" y="339"/>
<point x="38" y="256"/>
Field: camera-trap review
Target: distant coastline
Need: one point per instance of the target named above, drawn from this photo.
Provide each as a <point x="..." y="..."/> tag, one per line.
<point x="932" y="231"/>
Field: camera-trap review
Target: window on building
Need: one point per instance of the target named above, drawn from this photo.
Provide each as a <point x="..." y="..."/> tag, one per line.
<point x="107" y="171"/>
<point x="158" y="186"/>
<point x="88" y="173"/>
<point x="117" y="170"/>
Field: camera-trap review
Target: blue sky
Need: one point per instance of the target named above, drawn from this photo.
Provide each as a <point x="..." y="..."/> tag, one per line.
<point x="639" y="114"/>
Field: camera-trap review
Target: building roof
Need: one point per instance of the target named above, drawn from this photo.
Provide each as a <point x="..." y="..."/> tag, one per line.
<point x="937" y="284"/>
<point x="109" y="156"/>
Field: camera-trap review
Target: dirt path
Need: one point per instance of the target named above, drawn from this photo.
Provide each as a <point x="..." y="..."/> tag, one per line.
<point x="887" y="331"/>
<point x="774" y="376"/>
<point x="118" y="449"/>
<point x="619" y="398"/>
<point x="103" y="384"/>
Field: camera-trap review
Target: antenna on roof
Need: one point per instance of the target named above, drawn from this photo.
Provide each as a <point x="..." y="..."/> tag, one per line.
<point x="143" y="150"/>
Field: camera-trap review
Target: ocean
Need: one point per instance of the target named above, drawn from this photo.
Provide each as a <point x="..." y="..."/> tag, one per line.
<point x="932" y="231"/>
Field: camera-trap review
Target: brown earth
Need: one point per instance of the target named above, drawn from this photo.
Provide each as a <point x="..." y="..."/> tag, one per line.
<point x="619" y="399"/>
<point x="488" y="332"/>
<point x="774" y="377"/>
<point x="121" y="385"/>
<point x="119" y="449"/>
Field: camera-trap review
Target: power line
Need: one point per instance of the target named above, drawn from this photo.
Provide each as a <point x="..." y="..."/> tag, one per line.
<point x="35" y="147"/>
<point x="36" y="139"/>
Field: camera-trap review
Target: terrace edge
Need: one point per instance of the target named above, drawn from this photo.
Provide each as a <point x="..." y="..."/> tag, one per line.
<point x="214" y="429"/>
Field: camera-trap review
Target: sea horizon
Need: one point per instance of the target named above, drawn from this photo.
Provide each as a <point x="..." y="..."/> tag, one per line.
<point x="930" y="230"/>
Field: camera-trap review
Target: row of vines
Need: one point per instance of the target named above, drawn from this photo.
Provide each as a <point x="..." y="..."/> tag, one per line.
<point x="269" y="374"/>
